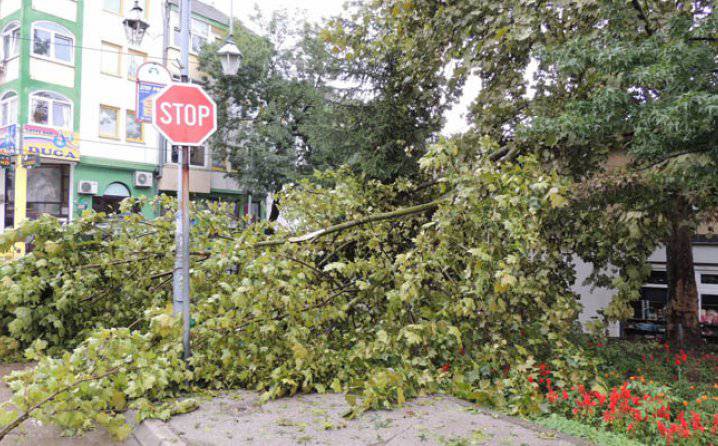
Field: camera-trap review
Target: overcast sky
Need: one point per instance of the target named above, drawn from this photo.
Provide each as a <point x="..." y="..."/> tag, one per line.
<point x="315" y="10"/>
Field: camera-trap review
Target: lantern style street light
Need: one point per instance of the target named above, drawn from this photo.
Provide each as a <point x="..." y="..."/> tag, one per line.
<point x="230" y="57"/>
<point x="135" y="26"/>
<point x="229" y="54"/>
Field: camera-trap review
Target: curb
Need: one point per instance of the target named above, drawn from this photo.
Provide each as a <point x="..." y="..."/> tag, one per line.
<point x="156" y="433"/>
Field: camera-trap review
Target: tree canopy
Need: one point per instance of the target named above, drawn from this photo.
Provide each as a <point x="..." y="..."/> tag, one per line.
<point x="620" y="96"/>
<point x="299" y="105"/>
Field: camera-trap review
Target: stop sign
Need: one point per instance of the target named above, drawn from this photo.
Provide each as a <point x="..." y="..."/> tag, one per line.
<point x="185" y="114"/>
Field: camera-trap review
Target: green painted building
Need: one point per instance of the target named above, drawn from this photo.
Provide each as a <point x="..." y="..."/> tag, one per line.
<point x="68" y="99"/>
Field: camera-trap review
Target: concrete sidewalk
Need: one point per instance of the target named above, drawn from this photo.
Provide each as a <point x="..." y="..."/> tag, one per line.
<point x="238" y="418"/>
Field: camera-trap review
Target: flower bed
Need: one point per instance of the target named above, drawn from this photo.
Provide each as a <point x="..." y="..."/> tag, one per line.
<point x="648" y="392"/>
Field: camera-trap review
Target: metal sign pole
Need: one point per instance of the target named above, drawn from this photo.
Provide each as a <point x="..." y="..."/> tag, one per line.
<point x="181" y="279"/>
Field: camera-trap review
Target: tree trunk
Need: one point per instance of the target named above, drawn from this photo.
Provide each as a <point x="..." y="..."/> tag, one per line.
<point x="682" y="326"/>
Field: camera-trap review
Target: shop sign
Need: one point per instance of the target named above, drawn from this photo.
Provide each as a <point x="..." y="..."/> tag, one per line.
<point x="8" y="144"/>
<point x="30" y="161"/>
<point x="151" y="79"/>
<point x="48" y="142"/>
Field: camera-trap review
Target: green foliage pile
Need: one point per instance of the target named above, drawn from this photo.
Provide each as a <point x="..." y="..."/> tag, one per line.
<point x="459" y="289"/>
<point x="96" y="272"/>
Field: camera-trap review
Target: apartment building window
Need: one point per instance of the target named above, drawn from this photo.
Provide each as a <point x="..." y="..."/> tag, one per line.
<point x="11" y="40"/>
<point x="47" y="108"/>
<point x="8" y="109"/>
<point x="199" y="34"/>
<point x="134" y="60"/>
<point x="113" y="6"/>
<point x="134" y="131"/>
<point x="111" y="59"/>
<point x="109" y="122"/>
<point x="197" y="156"/>
<point x="52" y="41"/>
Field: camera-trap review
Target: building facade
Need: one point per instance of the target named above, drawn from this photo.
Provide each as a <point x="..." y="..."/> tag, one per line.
<point x="649" y="310"/>
<point x="68" y="100"/>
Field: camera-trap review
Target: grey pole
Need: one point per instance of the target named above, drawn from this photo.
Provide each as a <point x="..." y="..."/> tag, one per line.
<point x="181" y="278"/>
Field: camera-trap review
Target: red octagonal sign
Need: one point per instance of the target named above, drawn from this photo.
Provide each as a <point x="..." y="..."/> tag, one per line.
<point x="185" y="114"/>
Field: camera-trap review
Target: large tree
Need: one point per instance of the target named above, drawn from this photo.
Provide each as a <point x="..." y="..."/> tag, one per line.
<point x="583" y="83"/>
<point x="299" y="104"/>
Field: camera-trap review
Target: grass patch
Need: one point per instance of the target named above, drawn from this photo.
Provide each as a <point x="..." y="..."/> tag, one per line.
<point x="578" y="429"/>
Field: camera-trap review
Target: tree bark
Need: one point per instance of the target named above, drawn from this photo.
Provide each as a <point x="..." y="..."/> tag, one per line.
<point x="682" y="325"/>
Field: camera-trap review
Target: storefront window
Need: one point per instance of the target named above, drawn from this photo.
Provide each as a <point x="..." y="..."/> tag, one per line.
<point x="48" y="191"/>
<point x="9" y="198"/>
<point x="109" y="202"/>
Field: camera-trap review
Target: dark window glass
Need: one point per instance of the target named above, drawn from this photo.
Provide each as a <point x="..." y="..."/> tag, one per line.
<point x="196" y="156"/>
<point x="709" y="309"/>
<point x="651" y="305"/>
<point x="709" y="279"/>
<point x="9" y="198"/>
<point x="659" y="277"/>
<point x="41" y="42"/>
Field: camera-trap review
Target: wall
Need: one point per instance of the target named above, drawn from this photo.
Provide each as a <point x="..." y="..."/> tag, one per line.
<point x="66" y="9"/>
<point x="8" y="7"/>
<point x="94" y="169"/>
<point x="592" y="299"/>
<point x="199" y="179"/>
<point x="52" y="72"/>
<point x="114" y="91"/>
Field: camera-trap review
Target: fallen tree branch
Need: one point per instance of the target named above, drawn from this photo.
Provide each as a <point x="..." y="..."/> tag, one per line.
<point x="311" y="236"/>
<point x="28" y="413"/>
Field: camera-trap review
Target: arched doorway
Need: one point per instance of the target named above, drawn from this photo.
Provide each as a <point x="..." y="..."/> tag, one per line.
<point x="109" y="201"/>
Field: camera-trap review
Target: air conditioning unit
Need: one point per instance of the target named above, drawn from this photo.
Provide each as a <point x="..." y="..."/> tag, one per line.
<point x="87" y="187"/>
<point x="144" y="179"/>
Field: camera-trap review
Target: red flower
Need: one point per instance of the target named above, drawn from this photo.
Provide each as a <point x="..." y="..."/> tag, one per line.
<point x="696" y="422"/>
<point x="629" y="428"/>
<point x="661" y="428"/>
<point x="531" y="379"/>
<point x="445" y="367"/>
